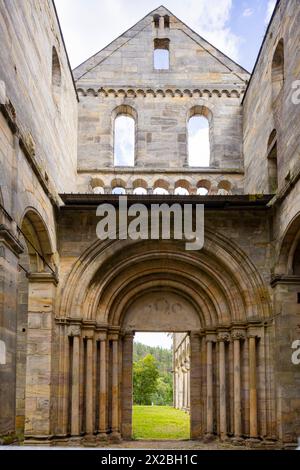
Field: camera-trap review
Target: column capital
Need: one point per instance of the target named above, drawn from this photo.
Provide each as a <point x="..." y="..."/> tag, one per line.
<point x="101" y="335"/>
<point x="237" y="335"/>
<point x="43" y="277"/>
<point x="74" y="330"/>
<point x="223" y="337"/>
<point x="211" y="338"/>
<point x="127" y="334"/>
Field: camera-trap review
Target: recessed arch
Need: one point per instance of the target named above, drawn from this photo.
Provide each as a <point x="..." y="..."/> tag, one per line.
<point x="199" y="124"/>
<point x="37" y="239"/>
<point x="56" y="78"/>
<point x="124" y="124"/>
<point x="278" y="70"/>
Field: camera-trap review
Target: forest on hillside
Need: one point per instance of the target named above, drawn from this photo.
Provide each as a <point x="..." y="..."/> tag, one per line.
<point x="152" y="375"/>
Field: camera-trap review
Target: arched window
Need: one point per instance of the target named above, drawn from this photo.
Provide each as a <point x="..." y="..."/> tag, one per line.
<point x="161" y="187"/>
<point x="198" y="139"/>
<point x="161" y="54"/>
<point x="272" y="163"/>
<point x="56" y="76"/>
<point x="278" y="70"/>
<point x="182" y="188"/>
<point x="203" y="187"/>
<point x="118" y="190"/>
<point x="181" y="191"/>
<point x="98" y="190"/>
<point x="124" y="140"/>
<point x="140" y="191"/>
<point x="296" y="261"/>
<point x="224" y="188"/>
<point x="161" y="191"/>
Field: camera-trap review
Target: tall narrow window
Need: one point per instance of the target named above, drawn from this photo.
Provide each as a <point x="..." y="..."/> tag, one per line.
<point x="124" y="142"/>
<point x="56" y="75"/>
<point x="156" y="21"/>
<point x="198" y="141"/>
<point x="167" y="21"/>
<point x="272" y="163"/>
<point x="161" y="54"/>
<point x="278" y="70"/>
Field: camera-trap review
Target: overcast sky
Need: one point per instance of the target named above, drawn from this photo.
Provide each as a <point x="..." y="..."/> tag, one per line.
<point x="236" y="27"/>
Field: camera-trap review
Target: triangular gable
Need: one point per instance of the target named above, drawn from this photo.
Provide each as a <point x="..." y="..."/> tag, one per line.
<point x="105" y="54"/>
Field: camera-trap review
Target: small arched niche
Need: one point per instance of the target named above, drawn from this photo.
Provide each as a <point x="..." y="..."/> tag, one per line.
<point x="278" y="71"/>
<point x="56" y="76"/>
<point x="161" y="311"/>
<point x="199" y="137"/>
<point x="124" y="126"/>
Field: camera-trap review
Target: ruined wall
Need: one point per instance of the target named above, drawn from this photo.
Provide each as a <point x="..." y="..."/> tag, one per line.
<point x="263" y="113"/>
<point x="38" y="139"/>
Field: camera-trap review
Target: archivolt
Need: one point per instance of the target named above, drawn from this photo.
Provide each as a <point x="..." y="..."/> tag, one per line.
<point x="220" y="280"/>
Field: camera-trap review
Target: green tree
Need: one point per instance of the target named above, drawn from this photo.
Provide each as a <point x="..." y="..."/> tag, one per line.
<point x="164" y="392"/>
<point x="145" y="375"/>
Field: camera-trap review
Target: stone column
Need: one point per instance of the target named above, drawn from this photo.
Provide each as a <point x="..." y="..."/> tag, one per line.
<point x="223" y="338"/>
<point x="237" y="337"/>
<point x="103" y="388"/>
<point x="196" y="399"/>
<point x="75" y="391"/>
<point x="209" y="398"/>
<point x="115" y="387"/>
<point x="253" y="387"/>
<point x="40" y="355"/>
<point x="89" y="392"/>
<point x="127" y="385"/>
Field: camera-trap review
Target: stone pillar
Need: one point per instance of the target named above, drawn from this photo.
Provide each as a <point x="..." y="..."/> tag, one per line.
<point x="115" y="387"/>
<point x="223" y="338"/>
<point x="196" y="402"/>
<point x="127" y="386"/>
<point x="75" y="387"/>
<point x="40" y="354"/>
<point x="209" y="398"/>
<point x="10" y="250"/>
<point x="237" y="337"/>
<point x="161" y="23"/>
<point x="253" y="387"/>
<point x="103" y="388"/>
<point x="89" y="392"/>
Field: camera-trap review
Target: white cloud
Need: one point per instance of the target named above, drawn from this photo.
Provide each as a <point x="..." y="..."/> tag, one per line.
<point x="163" y="340"/>
<point x="248" y="12"/>
<point x="89" y="25"/>
<point x="270" y="9"/>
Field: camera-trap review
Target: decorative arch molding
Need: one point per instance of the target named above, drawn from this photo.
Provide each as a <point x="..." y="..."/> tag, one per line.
<point x="223" y="274"/>
<point x="287" y="248"/>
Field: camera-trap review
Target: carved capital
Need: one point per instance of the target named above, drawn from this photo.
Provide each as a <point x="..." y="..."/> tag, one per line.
<point x="238" y="335"/>
<point x="223" y="337"/>
<point x="74" y="330"/>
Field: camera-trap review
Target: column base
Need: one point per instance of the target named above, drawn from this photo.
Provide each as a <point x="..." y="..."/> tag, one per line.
<point x="89" y="440"/>
<point x="115" y="437"/>
<point x="238" y="441"/>
<point x="209" y="438"/>
<point x="102" y="437"/>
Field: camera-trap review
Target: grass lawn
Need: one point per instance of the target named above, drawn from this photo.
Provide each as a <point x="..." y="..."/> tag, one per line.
<point x="160" y="422"/>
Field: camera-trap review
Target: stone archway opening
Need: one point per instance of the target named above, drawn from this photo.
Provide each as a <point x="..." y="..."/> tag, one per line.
<point x="164" y="310"/>
<point x="161" y="385"/>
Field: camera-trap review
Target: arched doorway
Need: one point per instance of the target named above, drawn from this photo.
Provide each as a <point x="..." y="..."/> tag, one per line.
<point x="159" y="310"/>
<point x="223" y="304"/>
